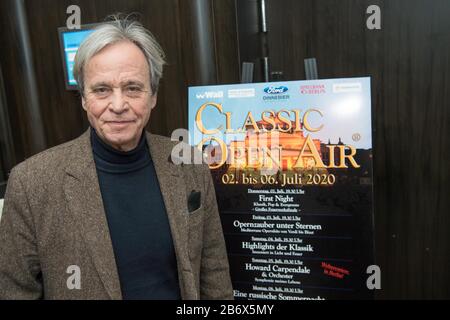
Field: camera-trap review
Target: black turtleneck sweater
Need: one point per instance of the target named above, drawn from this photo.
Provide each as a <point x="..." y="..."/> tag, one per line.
<point x="137" y="221"/>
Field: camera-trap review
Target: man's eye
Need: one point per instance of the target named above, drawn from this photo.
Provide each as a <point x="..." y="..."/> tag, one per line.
<point x="134" y="89"/>
<point x="101" y="90"/>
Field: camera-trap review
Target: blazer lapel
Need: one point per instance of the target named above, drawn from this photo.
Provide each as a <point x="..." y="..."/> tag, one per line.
<point x="174" y="195"/>
<point x="83" y="195"/>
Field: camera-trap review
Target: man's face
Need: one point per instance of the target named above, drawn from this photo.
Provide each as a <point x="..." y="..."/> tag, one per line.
<point x="117" y="95"/>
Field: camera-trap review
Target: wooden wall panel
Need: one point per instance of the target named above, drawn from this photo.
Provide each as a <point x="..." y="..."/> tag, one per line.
<point x="226" y="41"/>
<point x="14" y="74"/>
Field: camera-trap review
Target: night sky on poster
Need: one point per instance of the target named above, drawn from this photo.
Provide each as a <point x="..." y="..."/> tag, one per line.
<point x="292" y="167"/>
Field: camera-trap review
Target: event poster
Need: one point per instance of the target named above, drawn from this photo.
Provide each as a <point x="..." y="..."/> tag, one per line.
<point x="292" y="168"/>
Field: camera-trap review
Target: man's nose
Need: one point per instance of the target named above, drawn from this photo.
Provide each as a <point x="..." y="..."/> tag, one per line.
<point x="118" y="103"/>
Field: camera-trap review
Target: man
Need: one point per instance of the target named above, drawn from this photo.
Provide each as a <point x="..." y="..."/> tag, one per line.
<point x="109" y="215"/>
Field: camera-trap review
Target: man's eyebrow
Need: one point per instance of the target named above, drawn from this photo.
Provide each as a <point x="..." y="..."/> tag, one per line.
<point x="124" y="83"/>
<point x="132" y="82"/>
<point x="99" y="84"/>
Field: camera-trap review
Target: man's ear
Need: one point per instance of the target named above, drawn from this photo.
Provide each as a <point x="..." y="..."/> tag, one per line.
<point x="83" y="103"/>
<point x="153" y="99"/>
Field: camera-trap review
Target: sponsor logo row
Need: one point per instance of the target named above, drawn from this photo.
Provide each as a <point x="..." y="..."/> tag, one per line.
<point x="281" y="92"/>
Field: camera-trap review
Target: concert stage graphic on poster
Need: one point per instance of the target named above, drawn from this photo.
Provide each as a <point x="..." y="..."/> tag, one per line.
<point x="292" y="168"/>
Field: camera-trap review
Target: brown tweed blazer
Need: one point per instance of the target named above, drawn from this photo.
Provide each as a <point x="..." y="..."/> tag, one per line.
<point x="53" y="217"/>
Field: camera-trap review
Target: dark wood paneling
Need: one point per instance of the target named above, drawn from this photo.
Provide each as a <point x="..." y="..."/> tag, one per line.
<point x="408" y="60"/>
<point x="7" y="153"/>
<point x="14" y="75"/>
<point x="250" y="37"/>
<point x="226" y="41"/>
<point x="61" y="109"/>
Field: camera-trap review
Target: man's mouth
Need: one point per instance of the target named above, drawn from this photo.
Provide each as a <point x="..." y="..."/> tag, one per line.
<point x="120" y="121"/>
<point x="119" y="124"/>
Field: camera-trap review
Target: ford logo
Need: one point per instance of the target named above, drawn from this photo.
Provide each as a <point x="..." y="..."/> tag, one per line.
<point x="276" y="90"/>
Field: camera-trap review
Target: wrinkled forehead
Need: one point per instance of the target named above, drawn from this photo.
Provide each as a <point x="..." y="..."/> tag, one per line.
<point x="118" y="62"/>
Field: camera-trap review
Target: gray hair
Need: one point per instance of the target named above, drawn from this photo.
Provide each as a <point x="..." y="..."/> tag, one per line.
<point x="119" y="30"/>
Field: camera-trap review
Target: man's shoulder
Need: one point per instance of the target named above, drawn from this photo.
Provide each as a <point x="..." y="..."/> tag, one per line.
<point x="160" y="140"/>
<point x="167" y="145"/>
<point x="49" y="160"/>
<point x="176" y="149"/>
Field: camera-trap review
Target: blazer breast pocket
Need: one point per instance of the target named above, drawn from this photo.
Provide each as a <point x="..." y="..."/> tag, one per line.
<point x="195" y="208"/>
<point x="194" y="201"/>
